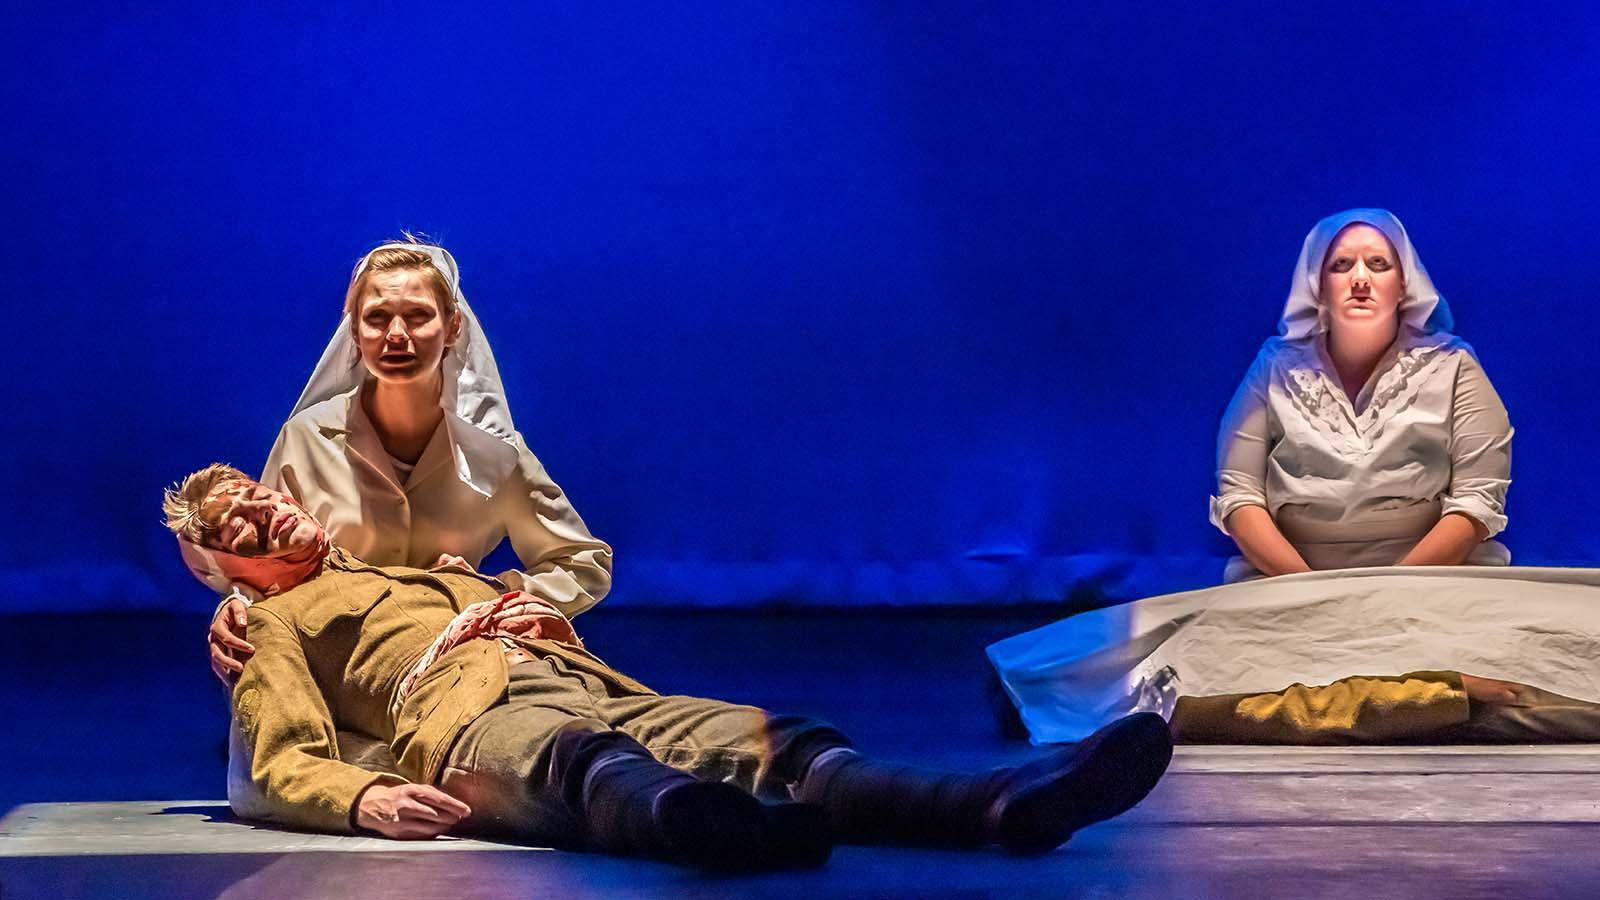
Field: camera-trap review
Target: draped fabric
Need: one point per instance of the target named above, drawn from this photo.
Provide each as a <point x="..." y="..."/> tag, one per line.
<point x="1422" y="309"/>
<point x="880" y="305"/>
<point x="1538" y="626"/>
<point x="265" y="575"/>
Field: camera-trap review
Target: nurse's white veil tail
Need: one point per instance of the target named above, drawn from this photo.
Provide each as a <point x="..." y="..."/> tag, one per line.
<point x="474" y="401"/>
<point x="1422" y="309"/>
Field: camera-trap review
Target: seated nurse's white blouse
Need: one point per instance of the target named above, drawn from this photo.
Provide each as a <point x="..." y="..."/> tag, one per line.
<point x="1359" y="483"/>
<point x="1426" y="436"/>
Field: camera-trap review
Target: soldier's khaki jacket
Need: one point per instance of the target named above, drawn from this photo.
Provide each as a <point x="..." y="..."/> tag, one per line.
<point x="329" y="656"/>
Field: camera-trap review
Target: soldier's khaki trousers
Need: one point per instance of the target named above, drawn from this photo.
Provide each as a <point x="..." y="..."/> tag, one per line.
<point x="507" y="764"/>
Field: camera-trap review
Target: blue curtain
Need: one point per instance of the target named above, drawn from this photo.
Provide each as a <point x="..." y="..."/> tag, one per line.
<point x="822" y="304"/>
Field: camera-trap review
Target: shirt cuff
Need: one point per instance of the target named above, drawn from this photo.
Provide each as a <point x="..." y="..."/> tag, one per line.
<point x="1491" y="518"/>
<point x="1224" y="506"/>
<point x="242" y="594"/>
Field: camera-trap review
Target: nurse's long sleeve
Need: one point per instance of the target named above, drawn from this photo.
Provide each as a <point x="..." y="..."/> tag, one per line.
<point x="1243" y="444"/>
<point x="562" y="563"/>
<point x="1480" y="449"/>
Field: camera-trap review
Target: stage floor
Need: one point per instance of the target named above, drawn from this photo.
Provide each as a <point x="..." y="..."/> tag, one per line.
<point x="104" y="731"/>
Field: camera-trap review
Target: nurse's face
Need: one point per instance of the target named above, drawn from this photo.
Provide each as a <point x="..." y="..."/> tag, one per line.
<point x="401" y="328"/>
<point x="255" y="520"/>
<point x="1361" y="282"/>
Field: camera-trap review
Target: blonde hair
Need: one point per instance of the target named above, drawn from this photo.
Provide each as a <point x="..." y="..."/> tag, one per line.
<point x="394" y="259"/>
<point x="188" y="514"/>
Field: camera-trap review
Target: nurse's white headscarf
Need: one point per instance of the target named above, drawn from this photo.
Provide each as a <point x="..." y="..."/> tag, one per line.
<point x="482" y="438"/>
<point x="1421" y="309"/>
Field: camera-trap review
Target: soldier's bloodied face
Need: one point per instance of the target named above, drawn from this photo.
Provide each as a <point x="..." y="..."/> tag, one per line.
<point x="251" y="519"/>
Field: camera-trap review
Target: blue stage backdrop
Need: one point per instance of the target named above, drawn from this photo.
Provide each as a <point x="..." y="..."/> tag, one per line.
<point x="801" y="303"/>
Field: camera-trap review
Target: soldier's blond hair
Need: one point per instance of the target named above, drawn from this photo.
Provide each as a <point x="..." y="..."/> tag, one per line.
<point x="189" y="515"/>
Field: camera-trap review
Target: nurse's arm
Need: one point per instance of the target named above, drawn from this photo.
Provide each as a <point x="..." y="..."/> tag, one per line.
<point x="1259" y="539"/>
<point x="562" y="563"/>
<point x="1448" y="543"/>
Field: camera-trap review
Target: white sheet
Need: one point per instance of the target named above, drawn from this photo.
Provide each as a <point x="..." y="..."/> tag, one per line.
<point x="1538" y="626"/>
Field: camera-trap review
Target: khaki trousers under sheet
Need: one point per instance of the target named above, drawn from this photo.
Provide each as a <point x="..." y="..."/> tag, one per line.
<point x="1416" y="708"/>
<point x="507" y="763"/>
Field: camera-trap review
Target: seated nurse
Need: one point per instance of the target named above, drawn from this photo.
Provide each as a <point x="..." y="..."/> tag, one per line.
<point x="402" y="444"/>
<point x="1366" y="434"/>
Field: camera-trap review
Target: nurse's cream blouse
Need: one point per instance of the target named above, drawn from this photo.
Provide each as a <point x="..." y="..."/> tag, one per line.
<point x="329" y="458"/>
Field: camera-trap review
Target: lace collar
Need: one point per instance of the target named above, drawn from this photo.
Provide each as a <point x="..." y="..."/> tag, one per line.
<point x="1400" y="376"/>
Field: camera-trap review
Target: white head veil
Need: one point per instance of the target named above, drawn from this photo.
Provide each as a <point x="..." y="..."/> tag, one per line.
<point x="482" y="438"/>
<point x="1421" y="309"/>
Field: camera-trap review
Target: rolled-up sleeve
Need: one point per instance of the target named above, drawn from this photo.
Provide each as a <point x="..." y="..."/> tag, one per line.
<point x="1243" y="443"/>
<point x="1480" y="449"/>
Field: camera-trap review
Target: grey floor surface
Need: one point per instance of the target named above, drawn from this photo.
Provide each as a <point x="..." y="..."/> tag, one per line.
<point x="1226" y="822"/>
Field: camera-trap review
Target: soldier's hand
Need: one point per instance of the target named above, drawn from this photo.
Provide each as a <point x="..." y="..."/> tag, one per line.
<point x="526" y="615"/>
<point x="1489" y="690"/>
<point x="408" y="812"/>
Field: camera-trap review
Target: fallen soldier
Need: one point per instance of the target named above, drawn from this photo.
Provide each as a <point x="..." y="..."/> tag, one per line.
<point x="501" y="723"/>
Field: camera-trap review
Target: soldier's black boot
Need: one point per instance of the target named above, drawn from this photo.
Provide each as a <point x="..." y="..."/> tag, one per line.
<point x="1028" y="809"/>
<point x="632" y="803"/>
